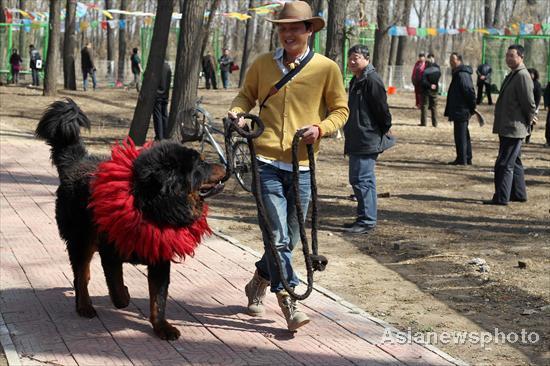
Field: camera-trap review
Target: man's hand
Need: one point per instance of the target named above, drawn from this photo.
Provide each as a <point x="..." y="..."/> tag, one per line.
<point x="240" y="121"/>
<point x="482" y="77"/>
<point x="311" y="134"/>
<point x="433" y="86"/>
<point x="534" y="120"/>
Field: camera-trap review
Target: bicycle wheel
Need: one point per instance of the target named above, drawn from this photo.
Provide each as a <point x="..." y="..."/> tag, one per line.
<point x="242" y="164"/>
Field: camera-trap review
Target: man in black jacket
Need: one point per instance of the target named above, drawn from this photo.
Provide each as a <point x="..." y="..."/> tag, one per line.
<point x="366" y="133"/>
<point x="88" y="66"/>
<point x="160" y="112"/>
<point x="461" y="104"/>
<point x="430" y="88"/>
<point x="484" y="80"/>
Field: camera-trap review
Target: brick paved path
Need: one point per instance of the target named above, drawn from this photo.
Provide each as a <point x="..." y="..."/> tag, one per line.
<point x="39" y="325"/>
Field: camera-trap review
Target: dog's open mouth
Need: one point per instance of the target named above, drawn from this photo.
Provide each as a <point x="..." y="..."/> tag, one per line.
<point x="210" y="189"/>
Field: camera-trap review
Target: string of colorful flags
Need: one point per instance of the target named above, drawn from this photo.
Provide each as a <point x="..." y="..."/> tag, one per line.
<point x="33" y="19"/>
<point x="513" y="29"/>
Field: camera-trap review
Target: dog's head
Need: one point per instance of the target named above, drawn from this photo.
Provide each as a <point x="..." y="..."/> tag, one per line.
<point x="171" y="181"/>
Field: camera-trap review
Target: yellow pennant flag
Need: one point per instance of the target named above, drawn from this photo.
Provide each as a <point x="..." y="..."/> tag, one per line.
<point x="107" y="14"/>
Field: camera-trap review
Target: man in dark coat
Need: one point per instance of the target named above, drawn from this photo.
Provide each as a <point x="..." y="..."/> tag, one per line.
<point x="226" y="62"/>
<point x="461" y="104"/>
<point x="160" y="112"/>
<point x="430" y="88"/>
<point x="88" y="66"/>
<point x="514" y="112"/>
<point x="209" y="70"/>
<point x="484" y="80"/>
<point x="365" y="132"/>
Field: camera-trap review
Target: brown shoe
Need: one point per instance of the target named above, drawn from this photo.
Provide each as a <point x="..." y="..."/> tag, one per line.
<point x="255" y="291"/>
<point x="294" y="317"/>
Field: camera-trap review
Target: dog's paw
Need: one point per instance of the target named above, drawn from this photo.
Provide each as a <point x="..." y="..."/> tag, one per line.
<point x="86" y="311"/>
<point x="166" y="331"/>
<point x="121" y="300"/>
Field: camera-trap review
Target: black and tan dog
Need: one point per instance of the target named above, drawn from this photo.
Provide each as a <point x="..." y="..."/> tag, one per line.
<point x="142" y="206"/>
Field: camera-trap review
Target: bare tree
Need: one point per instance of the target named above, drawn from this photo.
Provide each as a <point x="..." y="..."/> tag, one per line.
<point x="247" y="45"/>
<point x="336" y="31"/>
<point x="110" y="43"/>
<point x="403" y="41"/>
<point x="381" y="39"/>
<point x="122" y="42"/>
<point x="187" y="62"/>
<point x="2" y="14"/>
<point x="496" y="16"/>
<point x="22" y="5"/>
<point x="487" y="18"/>
<point x="316" y="8"/>
<point x="206" y="28"/>
<point x="69" y="45"/>
<point x="151" y="78"/>
<point x="52" y="61"/>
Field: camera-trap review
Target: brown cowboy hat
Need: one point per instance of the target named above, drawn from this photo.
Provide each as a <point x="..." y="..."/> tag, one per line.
<point x="299" y="11"/>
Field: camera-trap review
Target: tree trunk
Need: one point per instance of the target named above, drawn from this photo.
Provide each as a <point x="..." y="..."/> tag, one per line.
<point x="122" y="43"/>
<point x="381" y="40"/>
<point x="316" y="8"/>
<point x="186" y="78"/>
<point x="247" y="45"/>
<point x="335" y="31"/>
<point x="2" y="15"/>
<point x="206" y="28"/>
<point x="487" y="19"/>
<point x="23" y="6"/>
<point x="496" y="16"/>
<point x="393" y="50"/>
<point x="110" y="44"/>
<point x="69" y="45"/>
<point x="151" y="77"/>
<point x="403" y="41"/>
<point x="52" y="61"/>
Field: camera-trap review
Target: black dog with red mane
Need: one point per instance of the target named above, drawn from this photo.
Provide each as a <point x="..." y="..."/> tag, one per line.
<point x="143" y="206"/>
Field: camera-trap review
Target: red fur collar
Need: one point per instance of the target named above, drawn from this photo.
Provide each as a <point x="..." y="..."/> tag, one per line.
<point x="112" y="202"/>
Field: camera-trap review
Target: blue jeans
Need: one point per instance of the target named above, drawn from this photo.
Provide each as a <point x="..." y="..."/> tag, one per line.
<point x="280" y="204"/>
<point x="35" y="77"/>
<point x="225" y="79"/>
<point x="363" y="182"/>
<point x="85" y="77"/>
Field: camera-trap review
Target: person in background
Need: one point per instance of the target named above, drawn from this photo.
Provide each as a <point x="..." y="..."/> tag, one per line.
<point x="35" y="65"/>
<point x="225" y="62"/>
<point x="514" y="112"/>
<point x="461" y="104"/>
<point x="537" y="95"/>
<point x="484" y="80"/>
<point x="430" y="88"/>
<point x="88" y="66"/>
<point x="369" y="120"/>
<point x="547" y="127"/>
<point x="15" y="63"/>
<point x="160" y="111"/>
<point x="135" y="62"/>
<point x="416" y="78"/>
<point x="314" y="102"/>
<point x="209" y="70"/>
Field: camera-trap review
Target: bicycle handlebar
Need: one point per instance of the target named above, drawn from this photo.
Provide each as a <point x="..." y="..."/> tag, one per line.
<point x="232" y="124"/>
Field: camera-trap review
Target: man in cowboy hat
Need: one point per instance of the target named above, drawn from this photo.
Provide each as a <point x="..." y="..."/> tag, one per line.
<point x="313" y="101"/>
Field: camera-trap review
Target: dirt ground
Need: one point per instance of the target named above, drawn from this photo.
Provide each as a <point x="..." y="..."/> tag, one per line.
<point x="413" y="270"/>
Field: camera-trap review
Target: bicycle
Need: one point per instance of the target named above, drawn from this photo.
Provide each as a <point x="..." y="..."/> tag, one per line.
<point x="201" y="129"/>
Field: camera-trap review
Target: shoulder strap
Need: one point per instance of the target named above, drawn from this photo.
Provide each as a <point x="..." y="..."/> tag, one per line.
<point x="286" y="78"/>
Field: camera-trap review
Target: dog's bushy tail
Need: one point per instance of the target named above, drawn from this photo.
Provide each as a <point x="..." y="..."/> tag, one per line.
<point x="60" y="127"/>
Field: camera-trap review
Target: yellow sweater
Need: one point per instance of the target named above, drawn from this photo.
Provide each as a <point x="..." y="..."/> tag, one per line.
<point x="317" y="90"/>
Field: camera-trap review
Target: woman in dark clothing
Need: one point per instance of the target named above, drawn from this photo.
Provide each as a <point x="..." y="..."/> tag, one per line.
<point x="15" y="62"/>
<point x="537" y="93"/>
